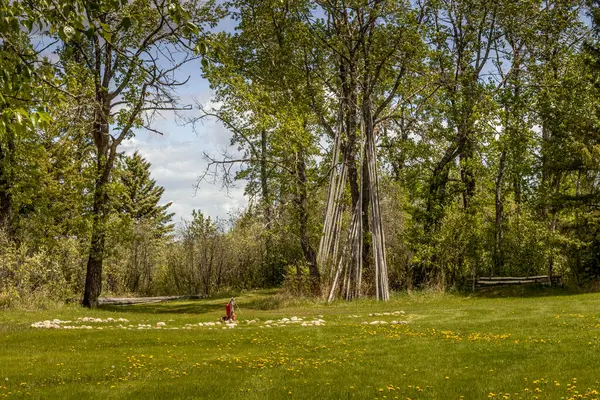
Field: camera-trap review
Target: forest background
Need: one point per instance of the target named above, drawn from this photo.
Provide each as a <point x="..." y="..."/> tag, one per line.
<point x="430" y="140"/>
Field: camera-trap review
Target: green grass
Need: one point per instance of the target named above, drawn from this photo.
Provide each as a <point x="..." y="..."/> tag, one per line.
<point x="453" y="346"/>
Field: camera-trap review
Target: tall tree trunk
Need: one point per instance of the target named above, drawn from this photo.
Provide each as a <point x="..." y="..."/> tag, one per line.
<point x="466" y="174"/>
<point x="366" y="227"/>
<point x="378" y="235"/>
<point x="400" y="159"/>
<point x="209" y="267"/>
<point x="553" y="223"/>
<point x="93" y="279"/>
<point x="437" y="187"/>
<point x="6" y="164"/>
<point x="349" y="109"/>
<point x="309" y="253"/>
<point x="498" y="256"/>
<point x="518" y="192"/>
<point x="267" y="211"/>
<point x="104" y="160"/>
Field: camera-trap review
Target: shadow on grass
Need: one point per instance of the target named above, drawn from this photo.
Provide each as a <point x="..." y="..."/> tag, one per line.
<point x="259" y="299"/>
<point x="175" y="307"/>
<point x="525" y="291"/>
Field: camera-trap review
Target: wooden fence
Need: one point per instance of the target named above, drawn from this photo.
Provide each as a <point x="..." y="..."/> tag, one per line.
<point x="483" y="282"/>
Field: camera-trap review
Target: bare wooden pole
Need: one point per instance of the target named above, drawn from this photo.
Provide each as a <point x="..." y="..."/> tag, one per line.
<point x="348" y="274"/>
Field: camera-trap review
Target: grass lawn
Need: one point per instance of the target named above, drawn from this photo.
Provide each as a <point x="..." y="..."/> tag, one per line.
<point x="543" y="344"/>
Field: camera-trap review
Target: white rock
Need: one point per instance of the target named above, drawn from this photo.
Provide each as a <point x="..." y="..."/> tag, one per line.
<point x="45" y="325"/>
<point x="161" y="324"/>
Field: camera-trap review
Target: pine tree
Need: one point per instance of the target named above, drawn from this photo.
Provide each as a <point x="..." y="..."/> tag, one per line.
<point x="140" y="196"/>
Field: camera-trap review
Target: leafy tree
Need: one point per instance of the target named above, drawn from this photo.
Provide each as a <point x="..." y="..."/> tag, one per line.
<point x="119" y="47"/>
<point x="265" y="106"/>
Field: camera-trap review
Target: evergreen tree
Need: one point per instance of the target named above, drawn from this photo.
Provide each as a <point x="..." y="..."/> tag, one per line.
<point x="140" y="196"/>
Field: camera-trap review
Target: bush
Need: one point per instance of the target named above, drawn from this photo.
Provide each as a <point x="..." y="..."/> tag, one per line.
<point x="33" y="277"/>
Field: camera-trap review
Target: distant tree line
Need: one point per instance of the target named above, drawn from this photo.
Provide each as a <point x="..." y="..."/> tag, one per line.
<point x="382" y="144"/>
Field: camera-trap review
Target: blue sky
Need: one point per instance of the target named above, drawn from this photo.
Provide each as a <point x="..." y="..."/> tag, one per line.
<point x="177" y="156"/>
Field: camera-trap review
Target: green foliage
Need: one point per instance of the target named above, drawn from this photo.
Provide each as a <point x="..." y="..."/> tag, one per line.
<point x="140" y="196"/>
<point x="485" y="113"/>
<point x="34" y="279"/>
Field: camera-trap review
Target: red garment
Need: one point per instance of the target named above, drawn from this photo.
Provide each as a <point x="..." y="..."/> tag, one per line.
<point x="228" y="310"/>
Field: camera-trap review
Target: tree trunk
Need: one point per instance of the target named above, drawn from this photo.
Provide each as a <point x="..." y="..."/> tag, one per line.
<point x="307" y="250"/>
<point x="553" y="222"/>
<point x="104" y="160"/>
<point x="366" y="227"/>
<point x="466" y="173"/>
<point x="93" y="279"/>
<point x="437" y="187"/>
<point x="498" y="256"/>
<point x="6" y="163"/>
<point x="271" y="273"/>
<point x="349" y="109"/>
<point x="209" y="266"/>
<point x="378" y="236"/>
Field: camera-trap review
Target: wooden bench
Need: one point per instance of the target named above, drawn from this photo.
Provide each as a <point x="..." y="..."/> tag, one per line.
<point x="483" y="282"/>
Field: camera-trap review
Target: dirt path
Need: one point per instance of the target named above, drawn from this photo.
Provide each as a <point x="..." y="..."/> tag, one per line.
<point x="123" y="301"/>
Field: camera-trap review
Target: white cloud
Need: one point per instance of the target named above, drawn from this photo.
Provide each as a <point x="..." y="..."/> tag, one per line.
<point x="177" y="162"/>
<point x="177" y="157"/>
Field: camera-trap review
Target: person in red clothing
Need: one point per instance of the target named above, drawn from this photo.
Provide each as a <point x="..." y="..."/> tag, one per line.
<point x="229" y="308"/>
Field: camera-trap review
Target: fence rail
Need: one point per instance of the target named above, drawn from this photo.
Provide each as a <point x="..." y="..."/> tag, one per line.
<point x="493" y="281"/>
